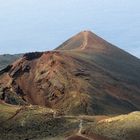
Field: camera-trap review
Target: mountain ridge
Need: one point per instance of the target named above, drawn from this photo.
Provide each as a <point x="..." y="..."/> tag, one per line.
<point x="84" y="75"/>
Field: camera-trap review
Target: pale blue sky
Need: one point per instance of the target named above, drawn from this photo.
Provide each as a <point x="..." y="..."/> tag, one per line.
<point x="38" y="25"/>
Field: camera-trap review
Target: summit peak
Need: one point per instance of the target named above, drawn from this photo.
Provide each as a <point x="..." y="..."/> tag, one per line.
<point x="85" y="40"/>
<point x="86" y="31"/>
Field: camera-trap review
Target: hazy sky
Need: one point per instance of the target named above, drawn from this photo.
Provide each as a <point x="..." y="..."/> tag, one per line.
<point x="37" y="25"/>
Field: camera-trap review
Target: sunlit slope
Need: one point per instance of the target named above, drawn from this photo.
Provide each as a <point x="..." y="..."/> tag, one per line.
<point x="123" y="127"/>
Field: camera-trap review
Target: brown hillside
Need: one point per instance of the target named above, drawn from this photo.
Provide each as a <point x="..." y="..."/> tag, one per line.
<point x="84" y="75"/>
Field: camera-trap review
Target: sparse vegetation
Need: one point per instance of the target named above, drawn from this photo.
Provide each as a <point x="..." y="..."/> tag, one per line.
<point x="124" y="127"/>
<point x="32" y="123"/>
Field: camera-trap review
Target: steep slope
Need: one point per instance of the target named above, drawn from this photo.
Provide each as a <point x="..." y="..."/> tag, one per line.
<point x="86" y="40"/>
<point x="84" y="75"/>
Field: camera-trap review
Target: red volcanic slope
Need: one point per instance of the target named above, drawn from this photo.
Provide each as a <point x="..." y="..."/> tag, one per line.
<point x="84" y="75"/>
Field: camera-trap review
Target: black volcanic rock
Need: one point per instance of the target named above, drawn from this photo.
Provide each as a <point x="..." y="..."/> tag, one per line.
<point x="32" y="55"/>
